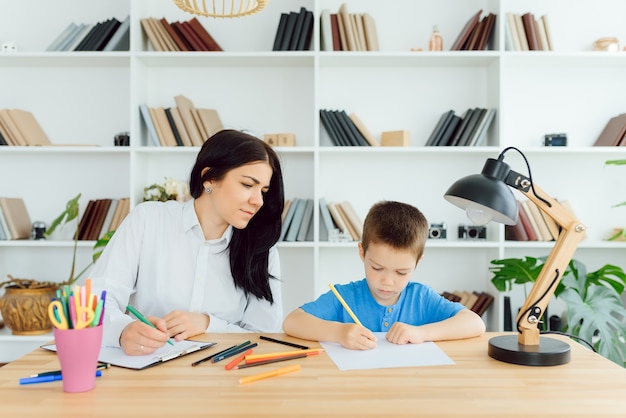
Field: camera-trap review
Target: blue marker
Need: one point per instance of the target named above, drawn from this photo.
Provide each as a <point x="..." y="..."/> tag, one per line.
<point x="49" y="378"/>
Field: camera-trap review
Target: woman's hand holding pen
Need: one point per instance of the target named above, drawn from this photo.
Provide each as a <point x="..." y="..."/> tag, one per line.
<point x="357" y="337"/>
<point x="139" y="339"/>
<point x="182" y="325"/>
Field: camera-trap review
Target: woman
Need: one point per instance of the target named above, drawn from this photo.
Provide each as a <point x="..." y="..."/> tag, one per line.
<point x="206" y="265"/>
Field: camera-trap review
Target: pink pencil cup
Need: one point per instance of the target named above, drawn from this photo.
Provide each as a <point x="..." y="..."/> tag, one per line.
<point x="78" y="351"/>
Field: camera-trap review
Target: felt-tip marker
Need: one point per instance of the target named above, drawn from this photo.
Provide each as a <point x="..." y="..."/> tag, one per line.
<point x="47" y="378"/>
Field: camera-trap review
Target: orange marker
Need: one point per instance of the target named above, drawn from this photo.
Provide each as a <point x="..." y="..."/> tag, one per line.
<point x="268" y="356"/>
<point x="277" y="372"/>
<point x="237" y="360"/>
<point x="262" y="357"/>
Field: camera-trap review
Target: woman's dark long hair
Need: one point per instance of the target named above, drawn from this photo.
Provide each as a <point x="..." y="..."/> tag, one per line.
<point x="249" y="247"/>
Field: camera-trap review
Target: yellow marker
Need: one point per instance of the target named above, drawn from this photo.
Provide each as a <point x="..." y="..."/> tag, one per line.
<point x="277" y="372"/>
<point x="345" y="305"/>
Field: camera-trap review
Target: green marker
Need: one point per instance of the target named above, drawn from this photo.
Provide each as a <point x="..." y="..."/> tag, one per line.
<point x="143" y="319"/>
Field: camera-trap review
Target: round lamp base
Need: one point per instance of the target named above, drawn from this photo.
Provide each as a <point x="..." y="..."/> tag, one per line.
<point x="549" y="352"/>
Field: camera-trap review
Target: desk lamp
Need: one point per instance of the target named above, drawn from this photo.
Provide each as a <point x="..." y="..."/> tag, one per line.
<point x="487" y="197"/>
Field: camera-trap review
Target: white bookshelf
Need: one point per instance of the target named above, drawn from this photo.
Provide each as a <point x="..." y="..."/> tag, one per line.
<point x="86" y="98"/>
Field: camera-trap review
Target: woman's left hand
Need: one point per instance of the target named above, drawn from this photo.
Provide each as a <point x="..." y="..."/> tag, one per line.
<point x="182" y="325"/>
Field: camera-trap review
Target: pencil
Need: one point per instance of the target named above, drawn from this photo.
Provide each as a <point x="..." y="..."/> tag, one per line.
<point x="345" y="305"/>
<point x="238" y="360"/>
<point x="232" y="352"/>
<point x="202" y="360"/>
<point x="277" y="372"/>
<point x="304" y="347"/>
<point x="267" y="356"/>
<point x="269" y="361"/>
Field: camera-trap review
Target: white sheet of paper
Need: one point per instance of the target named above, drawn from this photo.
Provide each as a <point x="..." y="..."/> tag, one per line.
<point x="386" y="355"/>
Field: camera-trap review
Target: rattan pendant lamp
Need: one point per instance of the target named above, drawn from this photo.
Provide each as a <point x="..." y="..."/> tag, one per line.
<point x="222" y="8"/>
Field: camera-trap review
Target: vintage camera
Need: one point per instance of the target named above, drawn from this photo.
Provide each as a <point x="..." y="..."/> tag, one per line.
<point x="472" y="232"/>
<point x="555" y="140"/>
<point x="437" y="231"/>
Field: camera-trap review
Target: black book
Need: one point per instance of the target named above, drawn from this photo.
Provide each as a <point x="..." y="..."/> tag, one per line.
<point x="354" y="131"/>
<point x="450" y="131"/>
<point x="170" y="119"/>
<point x="459" y="132"/>
<point x="439" y="128"/>
<point x="291" y="24"/>
<point x="107" y="34"/>
<point x="304" y="43"/>
<point x="280" y="31"/>
<point x="342" y="128"/>
<point x="332" y="128"/>
<point x="89" y="40"/>
<point x="472" y="127"/>
<point x="2" y="140"/>
<point x="471" y="124"/>
<point x="297" y="30"/>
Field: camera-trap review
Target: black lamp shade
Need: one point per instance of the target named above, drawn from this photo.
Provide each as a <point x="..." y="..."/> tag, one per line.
<point x="486" y="193"/>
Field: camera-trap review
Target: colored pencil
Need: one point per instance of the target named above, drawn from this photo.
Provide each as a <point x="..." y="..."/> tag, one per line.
<point x="263" y="337"/>
<point x="238" y="360"/>
<point x="202" y="360"/>
<point x="274" y="360"/>
<point x="267" y="356"/>
<point x="345" y="305"/>
<point x="232" y="352"/>
<point x="277" y="372"/>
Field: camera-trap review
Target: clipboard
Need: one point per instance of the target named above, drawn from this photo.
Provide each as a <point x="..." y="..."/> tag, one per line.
<point x="116" y="356"/>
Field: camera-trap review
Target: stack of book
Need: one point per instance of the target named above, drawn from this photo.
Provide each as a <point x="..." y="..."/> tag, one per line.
<point x="181" y="125"/>
<point x="178" y="36"/>
<point x="294" y="31"/>
<point x="524" y="32"/>
<point x="476" y="34"/>
<point x="343" y="31"/>
<point x="20" y="128"/>
<point x="474" y="301"/>
<point x="102" y="216"/>
<point x="462" y="131"/>
<point x="344" y="130"/>
<point x="108" y="35"/>
<point x="534" y="224"/>
<point x="614" y="133"/>
<point x="297" y="220"/>
<point x="340" y="219"/>
<point x="14" y="219"/>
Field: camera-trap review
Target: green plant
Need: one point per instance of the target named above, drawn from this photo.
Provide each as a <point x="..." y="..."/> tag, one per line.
<point x="594" y="311"/>
<point x="69" y="214"/>
<point x="620" y="233"/>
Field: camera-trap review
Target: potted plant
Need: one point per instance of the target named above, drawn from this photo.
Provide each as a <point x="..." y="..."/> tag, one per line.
<point x="619" y="234"/>
<point x="24" y="305"/>
<point x="594" y="310"/>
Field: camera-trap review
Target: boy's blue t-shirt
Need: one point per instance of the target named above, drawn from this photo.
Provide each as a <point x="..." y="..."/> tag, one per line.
<point x="418" y="305"/>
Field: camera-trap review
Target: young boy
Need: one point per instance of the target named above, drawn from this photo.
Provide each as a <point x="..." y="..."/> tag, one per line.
<point x="394" y="236"/>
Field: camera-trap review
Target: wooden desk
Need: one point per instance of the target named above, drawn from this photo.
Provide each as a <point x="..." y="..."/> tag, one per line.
<point x="476" y="386"/>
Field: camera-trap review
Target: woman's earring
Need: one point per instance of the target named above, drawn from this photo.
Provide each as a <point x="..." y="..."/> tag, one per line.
<point x="208" y="190"/>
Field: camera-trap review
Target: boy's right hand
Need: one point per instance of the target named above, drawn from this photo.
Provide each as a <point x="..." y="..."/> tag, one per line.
<point x="357" y="337"/>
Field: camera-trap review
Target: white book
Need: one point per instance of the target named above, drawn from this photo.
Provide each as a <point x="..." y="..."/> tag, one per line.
<point x="147" y="119"/>
<point x="326" y="32"/>
<point x="288" y="218"/>
<point x="80" y="36"/>
<point x="54" y="46"/>
<point x="306" y="221"/>
<point x="325" y="215"/>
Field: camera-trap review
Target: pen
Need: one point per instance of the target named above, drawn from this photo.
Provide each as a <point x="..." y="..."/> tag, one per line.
<point x="48" y="378"/>
<point x="238" y="360"/>
<point x="232" y="352"/>
<point x="269" y="361"/>
<point x="345" y="305"/>
<point x="101" y="366"/>
<point x="267" y="356"/>
<point x="143" y="319"/>
<point x="195" y="363"/>
<point x="304" y="347"/>
<point x="277" y="372"/>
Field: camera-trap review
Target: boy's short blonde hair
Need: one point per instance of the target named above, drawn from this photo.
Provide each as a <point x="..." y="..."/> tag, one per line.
<point x="397" y="224"/>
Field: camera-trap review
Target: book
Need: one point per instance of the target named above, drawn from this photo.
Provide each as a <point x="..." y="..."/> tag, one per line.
<point x="296" y="220"/>
<point x="344" y="16"/>
<point x="343" y="128"/>
<point x="332" y="130"/>
<point x="97" y="220"/>
<point x="353" y="218"/>
<point x="108" y="31"/>
<point x="3" y="232"/>
<point x="77" y="38"/>
<point x="187" y="109"/>
<point x="448" y="133"/>
<point x="474" y="37"/>
<point x="29" y="128"/>
<point x="166" y="40"/>
<point x="173" y="33"/>
<point x="357" y="24"/>
<point x="211" y="121"/>
<point x="531" y="219"/>
<point x="204" y="35"/>
<point x="528" y="20"/>
<point x="454" y="141"/>
<point x="353" y="131"/>
<point x="289" y="30"/>
<point x="515" y="232"/>
<point x="120" y="41"/>
<point x="280" y="31"/>
<point x="157" y="126"/>
<point x="67" y="40"/>
<point x="297" y="30"/>
<point x="83" y="224"/>
<point x="11" y="128"/>
<point x="106" y="225"/>
<point x="2" y="140"/>
<point x="525" y="221"/>
<point x="6" y="133"/>
<point x="16" y="217"/>
<point x="483" y="301"/>
<point x="552" y="225"/>
<point x="546" y="25"/>
<point x="371" y="140"/>
<point x="122" y="209"/>
<point x="435" y="135"/>
<point x="334" y="26"/>
<point x="304" y="42"/>
<point x="303" y="232"/>
<point x="485" y="35"/>
<point x="543" y="36"/>
<point x="511" y="29"/>
<point x="466" y="32"/>
<point x="326" y="31"/>
<point x="61" y="37"/>
<point x="337" y="219"/>
<point x="285" y="210"/>
<point x="535" y="213"/>
<point x="521" y="32"/>
<point x="343" y="41"/>
<point x="288" y="218"/>
<point x="180" y="127"/>
<point x="189" y="36"/>
<point x="160" y="118"/>
<point x="613" y="132"/>
<point x="350" y="228"/>
<point x="88" y="38"/>
<point x="471" y="126"/>
<point x="150" y="34"/>
<point x="371" y="35"/>
<point x="480" y="133"/>
<point x="325" y="216"/>
<point x="147" y="120"/>
<point x="173" y="127"/>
